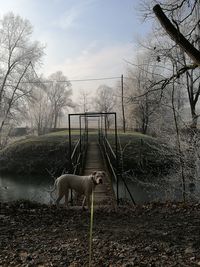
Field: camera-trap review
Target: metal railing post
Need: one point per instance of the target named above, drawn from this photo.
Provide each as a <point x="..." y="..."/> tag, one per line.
<point x="117" y="158"/>
<point x="70" y="153"/>
<point x="99" y="130"/>
<point x="80" y="133"/>
<point x="105" y="122"/>
<point x="85" y="131"/>
<point x="70" y="142"/>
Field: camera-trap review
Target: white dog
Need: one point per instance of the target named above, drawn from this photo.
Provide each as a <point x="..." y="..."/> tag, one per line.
<point x="83" y="185"/>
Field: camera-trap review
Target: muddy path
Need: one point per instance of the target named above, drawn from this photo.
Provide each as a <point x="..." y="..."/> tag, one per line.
<point x="150" y="235"/>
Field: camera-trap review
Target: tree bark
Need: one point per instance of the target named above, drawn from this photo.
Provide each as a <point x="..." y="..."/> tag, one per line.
<point x="175" y="34"/>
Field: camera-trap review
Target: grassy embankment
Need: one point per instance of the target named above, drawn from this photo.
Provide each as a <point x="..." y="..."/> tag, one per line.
<point x="36" y="155"/>
<point x="146" y="155"/>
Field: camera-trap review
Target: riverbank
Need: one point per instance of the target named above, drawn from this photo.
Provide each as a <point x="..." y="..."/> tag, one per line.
<point x="142" y="155"/>
<point x="149" y="235"/>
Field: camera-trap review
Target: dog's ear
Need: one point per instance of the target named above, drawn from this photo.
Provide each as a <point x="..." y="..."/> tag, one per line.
<point x="94" y="173"/>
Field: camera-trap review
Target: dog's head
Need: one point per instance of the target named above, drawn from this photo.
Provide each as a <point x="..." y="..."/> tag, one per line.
<point x="98" y="176"/>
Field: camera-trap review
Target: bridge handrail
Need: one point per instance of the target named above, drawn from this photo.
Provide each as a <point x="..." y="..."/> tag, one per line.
<point x="127" y="188"/>
<point x="77" y="158"/>
<point x="75" y="149"/>
<point x="115" y="169"/>
<point x="110" y="148"/>
<point x="78" y="155"/>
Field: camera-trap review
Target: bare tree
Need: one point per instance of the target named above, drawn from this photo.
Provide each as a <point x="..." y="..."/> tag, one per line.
<point x="105" y="101"/>
<point x="192" y="79"/>
<point x="122" y="103"/>
<point x="192" y="74"/>
<point x="184" y="29"/>
<point x="18" y="56"/>
<point x="38" y="114"/>
<point x="49" y="102"/>
<point x="84" y="101"/>
<point x="149" y="104"/>
<point x="59" y="93"/>
<point x="145" y="101"/>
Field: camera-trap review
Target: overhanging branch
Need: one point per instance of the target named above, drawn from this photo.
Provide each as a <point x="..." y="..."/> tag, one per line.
<point x="176" y="35"/>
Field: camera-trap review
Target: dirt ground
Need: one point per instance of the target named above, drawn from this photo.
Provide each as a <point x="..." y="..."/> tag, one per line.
<point x="151" y="235"/>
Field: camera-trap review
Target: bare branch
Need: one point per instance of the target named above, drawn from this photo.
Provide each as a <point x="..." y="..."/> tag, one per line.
<point x="175" y="34"/>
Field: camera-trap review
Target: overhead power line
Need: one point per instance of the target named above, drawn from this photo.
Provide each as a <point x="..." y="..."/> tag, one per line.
<point x="73" y="80"/>
<point x="78" y="80"/>
<point x="95" y="79"/>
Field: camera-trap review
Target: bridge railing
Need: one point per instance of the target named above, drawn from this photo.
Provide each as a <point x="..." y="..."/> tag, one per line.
<point x="77" y="158"/>
<point x="114" y="164"/>
<point x="78" y="155"/>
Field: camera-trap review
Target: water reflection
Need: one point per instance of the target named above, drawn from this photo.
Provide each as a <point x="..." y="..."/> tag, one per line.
<point x="32" y="188"/>
<point x="147" y="192"/>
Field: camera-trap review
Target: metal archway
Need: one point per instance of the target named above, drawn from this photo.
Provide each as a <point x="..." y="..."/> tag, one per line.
<point x="102" y="116"/>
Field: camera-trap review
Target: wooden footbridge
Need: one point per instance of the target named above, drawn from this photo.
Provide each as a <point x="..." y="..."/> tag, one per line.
<point x="92" y="151"/>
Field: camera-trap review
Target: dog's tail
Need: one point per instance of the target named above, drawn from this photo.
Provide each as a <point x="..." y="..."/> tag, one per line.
<point x="53" y="189"/>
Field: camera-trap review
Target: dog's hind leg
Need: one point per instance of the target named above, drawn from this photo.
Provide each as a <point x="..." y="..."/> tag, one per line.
<point x="66" y="199"/>
<point x="59" y="199"/>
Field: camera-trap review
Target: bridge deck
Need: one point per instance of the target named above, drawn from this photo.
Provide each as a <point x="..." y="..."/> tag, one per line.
<point x="103" y="193"/>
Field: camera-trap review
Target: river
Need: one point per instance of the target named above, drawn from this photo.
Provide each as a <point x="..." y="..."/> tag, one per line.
<point x="35" y="188"/>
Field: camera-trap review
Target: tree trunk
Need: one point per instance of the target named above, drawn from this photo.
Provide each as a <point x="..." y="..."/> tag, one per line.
<point x="194" y="118"/>
<point x="122" y="100"/>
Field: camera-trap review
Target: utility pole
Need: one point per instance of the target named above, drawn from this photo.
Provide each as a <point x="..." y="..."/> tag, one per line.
<point x="122" y="100"/>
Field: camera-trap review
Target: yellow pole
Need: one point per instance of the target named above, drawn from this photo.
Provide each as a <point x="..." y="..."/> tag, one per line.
<point x="91" y="228"/>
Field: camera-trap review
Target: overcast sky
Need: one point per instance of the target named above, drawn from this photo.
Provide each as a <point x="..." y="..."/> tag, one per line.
<point x="83" y="38"/>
